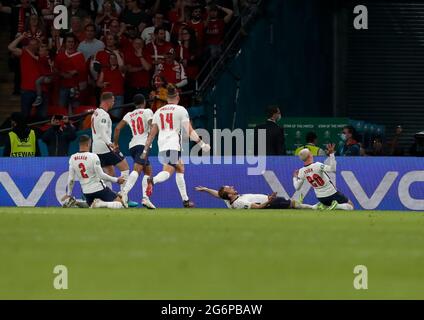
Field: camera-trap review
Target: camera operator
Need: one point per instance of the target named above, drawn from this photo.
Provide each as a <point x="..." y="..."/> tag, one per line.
<point x="59" y="136"/>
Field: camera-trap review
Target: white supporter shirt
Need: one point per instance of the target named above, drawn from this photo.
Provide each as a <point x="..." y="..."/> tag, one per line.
<point x="317" y="177"/>
<point x="138" y="120"/>
<point x="85" y="167"/>
<point x="245" y="201"/>
<point x="170" y="120"/>
<point x="147" y="35"/>
<point x="101" y="128"/>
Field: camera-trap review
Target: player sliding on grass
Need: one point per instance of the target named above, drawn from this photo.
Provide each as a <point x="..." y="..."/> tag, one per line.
<point x="86" y="166"/>
<point x="140" y="121"/>
<point x="171" y="121"/>
<point x="234" y="200"/>
<point x="316" y="174"/>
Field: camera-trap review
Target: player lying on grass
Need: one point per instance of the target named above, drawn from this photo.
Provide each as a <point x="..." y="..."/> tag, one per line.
<point x="234" y="200"/>
<point x="316" y="174"/>
<point x="86" y="167"/>
<point x="140" y="121"/>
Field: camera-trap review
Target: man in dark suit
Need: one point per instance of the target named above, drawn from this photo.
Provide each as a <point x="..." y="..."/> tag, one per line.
<point x="274" y="133"/>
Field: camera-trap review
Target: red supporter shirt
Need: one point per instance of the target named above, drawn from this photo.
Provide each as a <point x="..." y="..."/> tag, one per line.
<point x="140" y="79"/>
<point x="215" y="32"/>
<point x="30" y="70"/>
<point x="115" y="78"/>
<point x="173" y="73"/>
<point x="199" y="29"/>
<point x="192" y="69"/>
<point x="154" y="50"/>
<point x="67" y="62"/>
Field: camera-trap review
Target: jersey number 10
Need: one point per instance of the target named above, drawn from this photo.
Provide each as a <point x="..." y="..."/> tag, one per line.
<point x="168" y="119"/>
<point x="137" y="126"/>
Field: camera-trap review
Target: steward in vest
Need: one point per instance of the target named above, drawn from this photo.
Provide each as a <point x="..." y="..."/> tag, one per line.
<point x="311" y="141"/>
<point x="22" y="140"/>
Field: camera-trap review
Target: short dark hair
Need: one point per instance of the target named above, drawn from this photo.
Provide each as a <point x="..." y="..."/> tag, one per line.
<point x="84" y="139"/>
<point x="223" y="194"/>
<point x="351" y="129"/>
<point x="70" y="35"/>
<point x="172" y="91"/>
<point x="311" y="137"/>
<point x="157" y="29"/>
<point x="271" y="110"/>
<point x="139" y="99"/>
<point x="106" y="96"/>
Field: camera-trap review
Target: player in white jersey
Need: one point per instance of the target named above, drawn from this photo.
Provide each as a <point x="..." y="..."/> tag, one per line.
<point x="316" y="173"/>
<point x="139" y="121"/>
<point x="101" y="128"/>
<point x="171" y="122"/>
<point x="234" y="200"/>
<point x="84" y="166"/>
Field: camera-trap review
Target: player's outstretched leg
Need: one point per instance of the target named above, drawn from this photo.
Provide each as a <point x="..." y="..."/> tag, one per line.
<point x="181" y="184"/>
<point x="97" y="203"/>
<point x="159" y="178"/>
<point x="340" y="206"/>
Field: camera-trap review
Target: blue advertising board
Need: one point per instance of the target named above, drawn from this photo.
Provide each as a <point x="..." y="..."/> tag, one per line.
<point x="378" y="183"/>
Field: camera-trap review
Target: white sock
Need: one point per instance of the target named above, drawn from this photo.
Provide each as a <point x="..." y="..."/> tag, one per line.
<point x="110" y="205"/>
<point x="144" y="186"/>
<point x="315" y="206"/>
<point x="125" y="175"/>
<point x="132" y="179"/>
<point x="179" y="178"/>
<point x="344" y="206"/>
<point x="161" y="177"/>
<point x="298" y="205"/>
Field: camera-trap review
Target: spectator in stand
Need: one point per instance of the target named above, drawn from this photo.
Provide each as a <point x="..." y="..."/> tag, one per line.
<point x="377" y="148"/>
<point x="115" y="4"/>
<point x="72" y="70"/>
<point x="30" y="71"/>
<point x="274" y="134"/>
<point x="133" y="15"/>
<point x="22" y="140"/>
<point x="77" y="29"/>
<point x="172" y="71"/>
<point x="351" y="147"/>
<point x="417" y="148"/>
<point x="35" y="28"/>
<point x="176" y="17"/>
<point x="19" y="17"/>
<point x="395" y="149"/>
<point x="188" y="54"/>
<point x="59" y="136"/>
<point x="198" y="25"/>
<point x="215" y="27"/>
<point x="138" y="64"/>
<point x="55" y="41"/>
<point x="46" y="8"/>
<point x="106" y="15"/>
<point x="90" y="46"/>
<point x="75" y="10"/>
<point x="112" y="79"/>
<point x="311" y="144"/>
<point x="45" y="79"/>
<point x="148" y="33"/>
<point x="159" y="96"/>
<point x="159" y="46"/>
<point x="102" y="57"/>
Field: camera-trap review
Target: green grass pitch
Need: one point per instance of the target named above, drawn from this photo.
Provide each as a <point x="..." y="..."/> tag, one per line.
<point x="210" y="254"/>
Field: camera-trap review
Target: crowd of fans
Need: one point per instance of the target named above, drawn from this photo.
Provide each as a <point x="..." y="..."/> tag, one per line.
<point x="124" y="47"/>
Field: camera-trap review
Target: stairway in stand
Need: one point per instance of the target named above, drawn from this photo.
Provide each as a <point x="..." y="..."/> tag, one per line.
<point x="8" y="102"/>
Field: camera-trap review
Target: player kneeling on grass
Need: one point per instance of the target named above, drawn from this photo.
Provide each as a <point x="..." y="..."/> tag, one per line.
<point x="140" y="121"/>
<point x="86" y="167"/>
<point x="316" y="174"/>
<point x="234" y="200"/>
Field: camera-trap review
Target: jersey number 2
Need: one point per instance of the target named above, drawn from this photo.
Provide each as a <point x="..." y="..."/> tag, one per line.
<point x="137" y="127"/>
<point x="168" y="119"/>
<point x="316" y="181"/>
<point x="83" y="170"/>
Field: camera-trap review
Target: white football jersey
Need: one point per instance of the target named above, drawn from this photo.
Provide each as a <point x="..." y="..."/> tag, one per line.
<point x="245" y="201"/>
<point x="138" y="120"/>
<point x="85" y="167"/>
<point x="101" y="128"/>
<point x="170" y="120"/>
<point x="317" y="177"/>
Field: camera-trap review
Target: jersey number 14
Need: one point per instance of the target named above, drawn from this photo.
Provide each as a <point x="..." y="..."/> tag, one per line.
<point x="169" y="119"/>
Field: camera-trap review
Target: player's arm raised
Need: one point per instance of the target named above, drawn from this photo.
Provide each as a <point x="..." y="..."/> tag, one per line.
<point x="297" y="181"/>
<point x="332" y="164"/>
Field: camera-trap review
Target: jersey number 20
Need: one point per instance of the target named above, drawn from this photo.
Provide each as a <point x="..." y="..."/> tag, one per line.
<point x="316" y="181"/>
